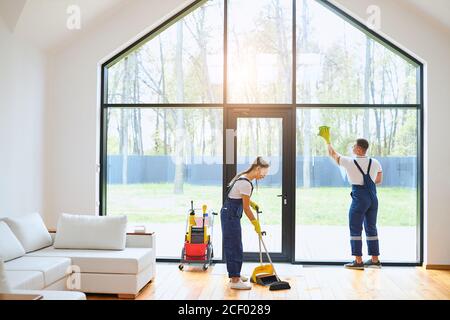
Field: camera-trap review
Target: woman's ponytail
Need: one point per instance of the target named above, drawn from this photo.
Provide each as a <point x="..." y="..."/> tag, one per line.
<point x="259" y="162"/>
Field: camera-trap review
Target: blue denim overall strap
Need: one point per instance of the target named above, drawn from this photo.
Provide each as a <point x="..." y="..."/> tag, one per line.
<point x="364" y="210"/>
<point x="232" y="185"/>
<point x="368" y="182"/>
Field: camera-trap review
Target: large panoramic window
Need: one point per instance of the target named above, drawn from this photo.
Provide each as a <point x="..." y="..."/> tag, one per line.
<point x="338" y="63"/>
<point x="274" y="71"/>
<point x="260" y="51"/>
<point x="159" y="160"/>
<point x="182" y="64"/>
<point x="323" y="190"/>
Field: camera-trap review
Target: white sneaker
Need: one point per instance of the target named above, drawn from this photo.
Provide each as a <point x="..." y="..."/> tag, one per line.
<point x="240" y="285"/>
<point x="244" y="279"/>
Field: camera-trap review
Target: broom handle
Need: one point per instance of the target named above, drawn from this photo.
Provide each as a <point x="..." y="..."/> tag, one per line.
<point x="259" y="240"/>
<point x="268" y="256"/>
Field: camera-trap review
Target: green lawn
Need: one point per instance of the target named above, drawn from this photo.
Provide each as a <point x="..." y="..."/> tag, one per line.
<point x="156" y="203"/>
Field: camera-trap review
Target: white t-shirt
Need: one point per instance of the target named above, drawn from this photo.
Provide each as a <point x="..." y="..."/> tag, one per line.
<point x="354" y="175"/>
<point x="241" y="187"/>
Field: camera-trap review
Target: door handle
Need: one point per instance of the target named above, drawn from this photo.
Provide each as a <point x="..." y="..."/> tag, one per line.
<point x="284" y="198"/>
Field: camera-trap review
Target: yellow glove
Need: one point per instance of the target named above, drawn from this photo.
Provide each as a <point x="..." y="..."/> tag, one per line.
<point x="254" y="205"/>
<point x="257" y="226"/>
<point x="324" y="132"/>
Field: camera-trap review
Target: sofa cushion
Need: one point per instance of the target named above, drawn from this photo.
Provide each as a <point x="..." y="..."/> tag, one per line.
<point x="30" y="230"/>
<point x="4" y="285"/>
<point x="10" y="246"/>
<point x="128" y="261"/>
<point x="91" y="232"/>
<point x="53" y="268"/>
<point x="25" y="280"/>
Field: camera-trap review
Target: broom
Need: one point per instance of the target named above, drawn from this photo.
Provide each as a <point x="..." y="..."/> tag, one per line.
<point x="272" y="280"/>
<point x="277" y="285"/>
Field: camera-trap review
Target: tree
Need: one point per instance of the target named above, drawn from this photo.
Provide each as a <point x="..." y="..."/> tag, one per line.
<point x="306" y="114"/>
<point x="124" y="119"/>
<point x="135" y="114"/>
<point x="180" y="126"/>
<point x="367" y="77"/>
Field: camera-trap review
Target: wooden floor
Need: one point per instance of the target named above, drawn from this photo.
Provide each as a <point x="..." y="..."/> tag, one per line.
<point x="306" y="282"/>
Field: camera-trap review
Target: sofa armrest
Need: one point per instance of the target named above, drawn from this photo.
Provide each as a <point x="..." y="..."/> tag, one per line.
<point x="53" y="235"/>
<point x="141" y="240"/>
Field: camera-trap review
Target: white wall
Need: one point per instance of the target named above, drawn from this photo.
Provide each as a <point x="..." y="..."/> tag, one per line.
<point x="72" y="114"/>
<point x="22" y="85"/>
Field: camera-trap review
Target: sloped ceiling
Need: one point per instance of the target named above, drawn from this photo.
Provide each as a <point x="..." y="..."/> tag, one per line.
<point x="10" y="11"/>
<point x="43" y="22"/>
<point x="438" y="10"/>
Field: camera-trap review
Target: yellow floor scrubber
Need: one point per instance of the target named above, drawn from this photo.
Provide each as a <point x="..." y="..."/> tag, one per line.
<point x="265" y="274"/>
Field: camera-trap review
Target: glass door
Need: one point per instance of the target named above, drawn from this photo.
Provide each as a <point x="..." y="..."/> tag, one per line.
<point x="264" y="133"/>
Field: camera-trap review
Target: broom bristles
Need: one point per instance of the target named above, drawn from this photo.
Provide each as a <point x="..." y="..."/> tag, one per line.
<point x="280" y="285"/>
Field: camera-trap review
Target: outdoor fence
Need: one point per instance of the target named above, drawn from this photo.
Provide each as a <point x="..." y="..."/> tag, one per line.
<point x="398" y="171"/>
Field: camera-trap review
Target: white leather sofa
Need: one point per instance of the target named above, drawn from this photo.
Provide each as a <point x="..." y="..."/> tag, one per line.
<point x="69" y="273"/>
<point x="123" y="273"/>
<point x="46" y="278"/>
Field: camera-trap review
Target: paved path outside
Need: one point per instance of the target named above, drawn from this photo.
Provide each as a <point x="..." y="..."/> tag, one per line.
<point x="319" y="243"/>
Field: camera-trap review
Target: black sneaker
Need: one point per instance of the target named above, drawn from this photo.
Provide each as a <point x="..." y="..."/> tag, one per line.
<point x="370" y="264"/>
<point x="355" y="265"/>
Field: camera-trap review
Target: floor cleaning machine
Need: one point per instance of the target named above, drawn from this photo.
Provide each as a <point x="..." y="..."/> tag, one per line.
<point x="265" y="274"/>
<point x="198" y="248"/>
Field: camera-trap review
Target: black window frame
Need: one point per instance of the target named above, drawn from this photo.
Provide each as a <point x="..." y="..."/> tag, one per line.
<point x="227" y="108"/>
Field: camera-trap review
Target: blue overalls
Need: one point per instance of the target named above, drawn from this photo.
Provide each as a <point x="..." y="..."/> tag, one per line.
<point x="230" y="216"/>
<point x="364" y="209"/>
